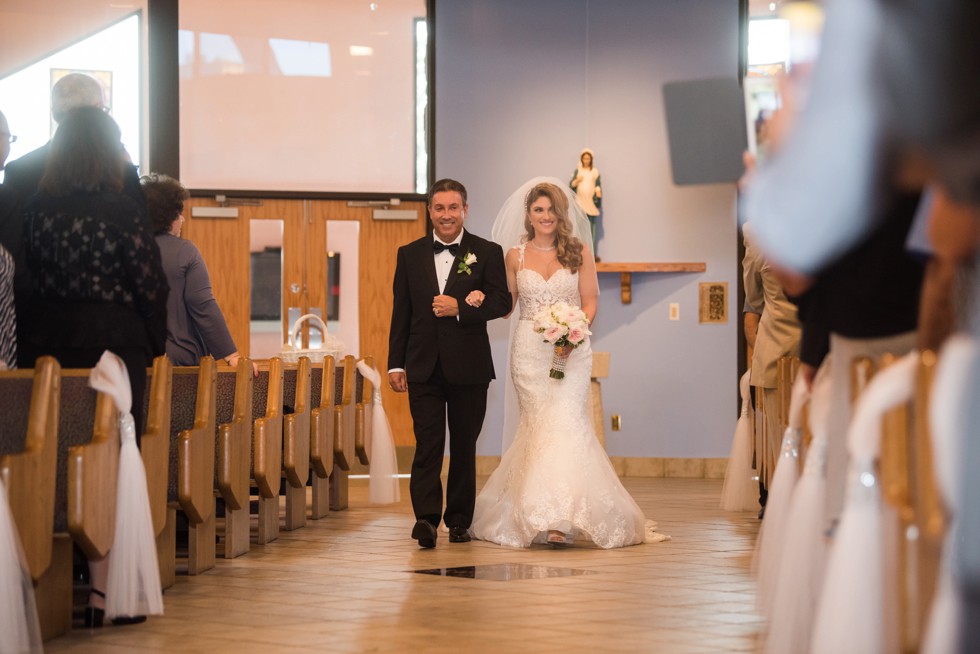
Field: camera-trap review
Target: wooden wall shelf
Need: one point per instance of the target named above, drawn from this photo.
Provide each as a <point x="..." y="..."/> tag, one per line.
<point x="626" y="271"/>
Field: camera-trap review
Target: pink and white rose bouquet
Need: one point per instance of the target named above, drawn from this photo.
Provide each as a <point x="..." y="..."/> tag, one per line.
<point x="563" y="326"/>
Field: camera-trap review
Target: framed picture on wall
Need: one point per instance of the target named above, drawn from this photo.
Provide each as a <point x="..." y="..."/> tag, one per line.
<point x="713" y="302"/>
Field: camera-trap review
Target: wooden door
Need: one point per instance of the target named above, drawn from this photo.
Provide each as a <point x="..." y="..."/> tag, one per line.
<point x="378" y="242"/>
<point x="225" y="245"/>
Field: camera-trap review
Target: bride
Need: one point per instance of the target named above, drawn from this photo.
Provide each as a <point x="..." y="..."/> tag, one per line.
<point x="555" y="482"/>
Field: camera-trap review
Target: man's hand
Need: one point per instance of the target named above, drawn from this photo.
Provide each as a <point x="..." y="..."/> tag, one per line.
<point x="397" y="381"/>
<point x="445" y="306"/>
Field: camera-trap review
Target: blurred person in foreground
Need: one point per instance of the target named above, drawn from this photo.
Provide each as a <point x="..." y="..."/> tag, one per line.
<point x="901" y="72"/>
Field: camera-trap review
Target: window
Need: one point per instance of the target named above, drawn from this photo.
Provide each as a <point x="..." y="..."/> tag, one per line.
<point x="112" y="55"/>
<point x="303" y="95"/>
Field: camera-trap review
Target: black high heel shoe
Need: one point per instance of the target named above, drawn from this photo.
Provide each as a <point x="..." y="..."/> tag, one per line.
<point x="94" y="616"/>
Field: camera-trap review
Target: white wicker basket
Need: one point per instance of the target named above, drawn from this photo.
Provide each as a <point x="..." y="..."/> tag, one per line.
<point x="332" y="346"/>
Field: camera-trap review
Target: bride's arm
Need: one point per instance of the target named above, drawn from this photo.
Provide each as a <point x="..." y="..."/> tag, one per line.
<point x="511" y="264"/>
<point x="588" y="284"/>
<point x="511" y="261"/>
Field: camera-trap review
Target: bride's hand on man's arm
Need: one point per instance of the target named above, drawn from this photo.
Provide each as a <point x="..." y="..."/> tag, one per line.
<point x="475" y="298"/>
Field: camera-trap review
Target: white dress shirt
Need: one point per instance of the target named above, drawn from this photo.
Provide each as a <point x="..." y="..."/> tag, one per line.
<point x="444" y="261"/>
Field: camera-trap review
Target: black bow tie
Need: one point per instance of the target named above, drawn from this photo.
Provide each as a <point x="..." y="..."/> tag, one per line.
<point x="439" y="247"/>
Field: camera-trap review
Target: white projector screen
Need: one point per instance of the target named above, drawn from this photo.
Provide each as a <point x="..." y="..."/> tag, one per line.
<point x="302" y="95"/>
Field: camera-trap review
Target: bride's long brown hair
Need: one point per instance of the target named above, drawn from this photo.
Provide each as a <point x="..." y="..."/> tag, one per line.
<point x="568" y="248"/>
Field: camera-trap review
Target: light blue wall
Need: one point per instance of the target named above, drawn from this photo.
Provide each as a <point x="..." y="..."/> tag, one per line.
<point x="521" y="88"/>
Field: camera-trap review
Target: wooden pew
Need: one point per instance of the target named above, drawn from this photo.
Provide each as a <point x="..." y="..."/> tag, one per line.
<point x="192" y="463"/>
<point x="233" y="455"/>
<point x="909" y="485"/>
<point x="931" y="513"/>
<point x="93" y="469"/>
<point x="325" y="422"/>
<point x="786" y="369"/>
<point x="82" y="479"/>
<point x="85" y="486"/>
<point x="267" y="448"/>
<point x="155" y="451"/>
<point x="364" y="397"/>
<point x="296" y="441"/>
<point x="344" y="447"/>
<point x="28" y="470"/>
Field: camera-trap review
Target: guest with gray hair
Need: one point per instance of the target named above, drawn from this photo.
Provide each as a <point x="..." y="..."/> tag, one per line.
<point x="72" y="91"/>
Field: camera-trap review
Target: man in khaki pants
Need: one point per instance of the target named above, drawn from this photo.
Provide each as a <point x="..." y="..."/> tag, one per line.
<point x="777" y="335"/>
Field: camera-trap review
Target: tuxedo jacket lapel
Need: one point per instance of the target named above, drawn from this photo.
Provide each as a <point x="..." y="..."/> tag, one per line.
<point x="429" y="263"/>
<point x="460" y="253"/>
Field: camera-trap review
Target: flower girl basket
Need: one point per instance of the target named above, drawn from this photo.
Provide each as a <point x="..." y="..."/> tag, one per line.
<point x="332" y="346"/>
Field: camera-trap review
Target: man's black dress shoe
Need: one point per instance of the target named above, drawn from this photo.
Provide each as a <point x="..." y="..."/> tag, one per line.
<point x="425" y="533"/>
<point x="459" y="535"/>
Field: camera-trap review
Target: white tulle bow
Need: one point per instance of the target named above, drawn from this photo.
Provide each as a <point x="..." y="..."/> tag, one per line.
<point x="804" y="550"/>
<point x="19" y="628"/>
<point x="954" y="389"/>
<point x="134" y="575"/>
<point x="383" y="487"/>
<point x="740" y="491"/>
<point x="855" y="613"/>
<point x="778" y="501"/>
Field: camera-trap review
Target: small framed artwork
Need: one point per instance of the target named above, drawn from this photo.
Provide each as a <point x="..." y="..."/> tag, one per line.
<point x="713" y="302"/>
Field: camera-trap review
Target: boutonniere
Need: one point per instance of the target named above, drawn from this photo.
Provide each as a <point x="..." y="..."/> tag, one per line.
<point x="464" y="264"/>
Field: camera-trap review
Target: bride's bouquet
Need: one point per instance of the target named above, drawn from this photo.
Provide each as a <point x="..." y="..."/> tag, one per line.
<point x="563" y="326"/>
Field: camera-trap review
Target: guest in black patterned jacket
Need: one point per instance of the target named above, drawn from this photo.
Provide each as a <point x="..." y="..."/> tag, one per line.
<point x="97" y="281"/>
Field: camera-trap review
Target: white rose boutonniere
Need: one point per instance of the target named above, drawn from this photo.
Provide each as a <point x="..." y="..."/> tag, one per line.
<point x="464" y="264"/>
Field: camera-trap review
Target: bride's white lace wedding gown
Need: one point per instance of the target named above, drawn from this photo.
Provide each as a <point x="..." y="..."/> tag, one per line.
<point x="555" y="475"/>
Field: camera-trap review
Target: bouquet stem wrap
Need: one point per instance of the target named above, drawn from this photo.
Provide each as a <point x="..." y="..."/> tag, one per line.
<point x="564" y="327"/>
<point x="558" y="362"/>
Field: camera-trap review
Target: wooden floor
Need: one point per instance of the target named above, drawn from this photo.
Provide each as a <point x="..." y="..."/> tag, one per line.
<point x="347" y="583"/>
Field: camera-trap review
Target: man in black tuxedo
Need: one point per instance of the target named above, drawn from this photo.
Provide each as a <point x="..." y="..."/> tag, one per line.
<point x="438" y="350"/>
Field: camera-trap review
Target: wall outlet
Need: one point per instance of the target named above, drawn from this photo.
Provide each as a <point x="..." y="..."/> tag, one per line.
<point x="617" y="423"/>
<point x="675" y="311"/>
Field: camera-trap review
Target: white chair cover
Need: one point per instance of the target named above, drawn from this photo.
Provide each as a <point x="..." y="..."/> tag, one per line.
<point x="19" y="628"/>
<point x="855" y="612"/>
<point x="954" y="392"/>
<point x="741" y="489"/>
<point x="769" y="544"/>
<point x="133" y="587"/>
<point x="383" y="487"/>
<point x="804" y="549"/>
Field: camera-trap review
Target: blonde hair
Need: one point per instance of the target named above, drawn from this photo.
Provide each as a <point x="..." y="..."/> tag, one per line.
<point x="568" y="248"/>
